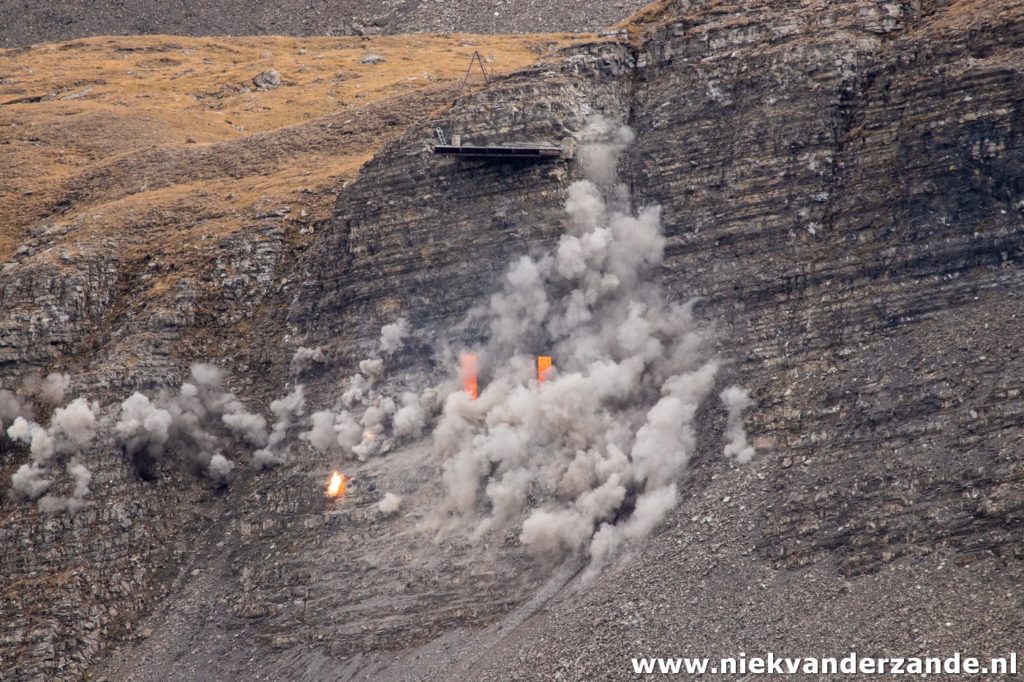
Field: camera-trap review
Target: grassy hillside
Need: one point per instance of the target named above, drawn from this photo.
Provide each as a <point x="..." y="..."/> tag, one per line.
<point x="157" y="138"/>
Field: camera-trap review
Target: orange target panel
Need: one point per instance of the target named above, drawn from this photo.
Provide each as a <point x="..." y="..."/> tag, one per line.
<point x="543" y="367"/>
<point x="469" y="373"/>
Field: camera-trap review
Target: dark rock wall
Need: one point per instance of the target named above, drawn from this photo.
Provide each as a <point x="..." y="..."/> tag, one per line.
<point x="855" y="173"/>
<point x="842" y="186"/>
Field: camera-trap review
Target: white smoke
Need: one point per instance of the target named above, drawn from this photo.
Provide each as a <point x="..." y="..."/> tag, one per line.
<point x="76" y="501"/>
<point x="71" y="430"/>
<point x="410" y="418"/>
<point x="30" y="481"/>
<point x="22" y="430"/>
<point x="11" y="408"/>
<point x="50" y="390"/>
<point x="736" y="401"/>
<point x="603" y="143"/>
<point x="251" y="427"/>
<point x="219" y="469"/>
<point x="389" y="504"/>
<point x="304" y="358"/>
<point x="589" y="459"/>
<point x="392" y="336"/>
<point x="209" y="381"/>
<point x="143" y="426"/>
<point x="285" y="409"/>
<point x="53" y="388"/>
<point x="72" y="427"/>
<point x="372" y="368"/>
<point x="190" y="423"/>
<point x="366" y="420"/>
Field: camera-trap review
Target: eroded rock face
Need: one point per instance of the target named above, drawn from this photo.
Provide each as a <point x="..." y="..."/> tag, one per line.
<point x="857" y="182"/>
<point x="841" y="183"/>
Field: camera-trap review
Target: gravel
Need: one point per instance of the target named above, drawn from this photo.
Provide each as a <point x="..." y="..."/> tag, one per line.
<point x="24" y="23"/>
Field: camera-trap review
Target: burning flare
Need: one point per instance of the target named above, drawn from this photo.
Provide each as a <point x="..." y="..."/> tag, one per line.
<point x="336" y="485"/>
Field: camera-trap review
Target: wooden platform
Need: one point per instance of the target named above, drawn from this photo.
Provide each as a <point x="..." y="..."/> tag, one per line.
<point x="505" y="151"/>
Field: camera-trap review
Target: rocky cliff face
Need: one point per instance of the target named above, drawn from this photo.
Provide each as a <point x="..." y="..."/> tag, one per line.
<point x="855" y="172"/>
<point x="148" y="227"/>
<point x="841" y="184"/>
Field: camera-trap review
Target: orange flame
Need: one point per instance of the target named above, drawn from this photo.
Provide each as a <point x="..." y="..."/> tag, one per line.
<point x="543" y="368"/>
<point x="469" y="372"/>
<point x="336" y="485"/>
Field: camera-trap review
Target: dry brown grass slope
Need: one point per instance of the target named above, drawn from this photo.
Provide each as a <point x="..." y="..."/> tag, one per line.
<point x="165" y="140"/>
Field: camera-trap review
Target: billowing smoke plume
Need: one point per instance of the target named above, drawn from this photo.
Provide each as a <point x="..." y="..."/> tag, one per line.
<point x="76" y="500"/>
<point x="219" y="469"/>
<point x="50" y="390"/>
<point x="736" y="401"/>
<point x="70" y="432"/>
<point x="304" y="358"/>
<point x="11" y="407"/>
<point x="389" y="504"/>
<point x="29" y="481"/>
<point x="190" y="423"/>
<point x="143" y="427"/>
<point x="411" y="417"/>
<point x="209" y="381"/>
<point x="366" y="421"/>
<point x="285" y="409"/>
<point x="392" y="336"/>
<point x="586" y="461"/>
<point x="589" y="459"/>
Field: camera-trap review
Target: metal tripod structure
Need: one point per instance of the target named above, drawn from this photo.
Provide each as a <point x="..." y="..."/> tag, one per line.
<point x="451" y="145"/>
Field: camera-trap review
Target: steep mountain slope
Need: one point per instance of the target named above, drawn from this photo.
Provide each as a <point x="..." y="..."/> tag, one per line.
<point x="841" y="183"/>
<point x="24" y="23"/>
